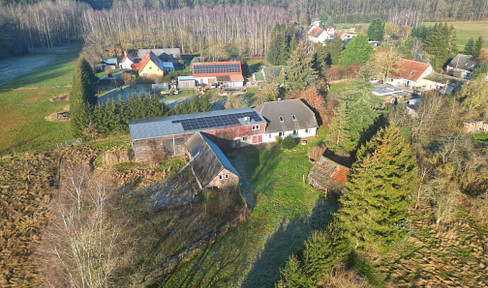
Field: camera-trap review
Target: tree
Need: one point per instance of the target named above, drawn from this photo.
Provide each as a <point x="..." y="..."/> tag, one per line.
<point x="477" y="47"/>
<point x="474" y="99"/>
<point x="392" y="30"/>
<point x="82" y="97"/>
<point x="480" y="71"/>
<point x="301" y="74"/>
<point x="469" y="48"/>
<point x="375" y="206"/>
<point x="376" y="30"/>
<point x="441" y="44"/>
<point x="385" y="63"/>
<point x="358" y="51"/>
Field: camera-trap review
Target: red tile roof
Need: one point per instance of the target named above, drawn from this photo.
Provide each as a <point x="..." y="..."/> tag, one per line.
<point x="339" y="174"/>
<point x="411" y="70"/>
<point x="316" y="32"/>
<point x="150" y="56"/>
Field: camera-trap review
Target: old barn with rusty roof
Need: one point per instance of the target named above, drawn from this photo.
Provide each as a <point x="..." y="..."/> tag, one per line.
<point x="328" y="175"/>
<point x="226" y="73"/>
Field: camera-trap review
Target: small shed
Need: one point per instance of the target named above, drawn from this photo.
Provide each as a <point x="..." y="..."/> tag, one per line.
<point x="186" y="82"/>
<point x="328" y="175"/>
<point x="209" y="165"/>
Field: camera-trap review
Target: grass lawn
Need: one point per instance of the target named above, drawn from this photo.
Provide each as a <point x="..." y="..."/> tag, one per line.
<point x="22" y="110"/>
<point x="339" y="87"/>
<point x="364" y="27"/>
<point x="468" y="29"/>
<point x="285" y="211"/>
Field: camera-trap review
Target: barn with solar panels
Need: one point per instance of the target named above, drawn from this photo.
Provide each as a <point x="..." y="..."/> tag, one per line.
<point x="157" y="138"/>
<point x="228" y="74"/>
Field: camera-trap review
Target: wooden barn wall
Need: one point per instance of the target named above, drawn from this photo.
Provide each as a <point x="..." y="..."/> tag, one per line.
<point x="158" y="149"/>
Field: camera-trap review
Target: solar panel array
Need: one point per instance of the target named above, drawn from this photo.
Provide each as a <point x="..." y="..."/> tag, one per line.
<point x="216" y="121"/>
<point x="217" y="68"/>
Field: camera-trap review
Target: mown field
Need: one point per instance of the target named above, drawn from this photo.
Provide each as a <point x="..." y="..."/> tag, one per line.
<point x="24" y="104"/>
<point x="285" y="211"/>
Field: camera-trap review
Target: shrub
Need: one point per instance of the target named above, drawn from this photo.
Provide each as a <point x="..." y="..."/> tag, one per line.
<point x="289" y="142"/>
<point x="278" y="140"/>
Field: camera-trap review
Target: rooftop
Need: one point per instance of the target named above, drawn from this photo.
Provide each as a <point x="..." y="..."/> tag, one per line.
<point x="327" y="174"/>
<point x="188" y="123"/>
<point x="287" y="115"/>
<point x="411" y="70"/>
<point x="465" y="62"/>
<point x="386" y="90"/>
<point x="163" y="53"/>
<point x="213" y="69"/>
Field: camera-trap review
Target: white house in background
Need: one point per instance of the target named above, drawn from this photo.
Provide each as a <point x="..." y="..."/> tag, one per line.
<point x="228" y="74"/>
<point x="411" y="74"/>
<point x="315" y="23"/>
<point x="318" y="35"/>
<point x="287" y="117"/>
<point x="463" y="65"/>
<point x="331" y="31"/>
<point x="126" y="62"/>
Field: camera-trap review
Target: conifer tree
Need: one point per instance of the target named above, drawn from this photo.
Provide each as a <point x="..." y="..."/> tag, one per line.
<point x="469" y="48"/>
<point x="293" y="275"/>
<point x="477" y="47"/>
<point x="376" y="30"/>
<point x="378" y="196"/>
<point x="301" y="74"/>
<point x="357" y="52"/>
<point x="441" y="44"/>
<point x="82" y="97"/>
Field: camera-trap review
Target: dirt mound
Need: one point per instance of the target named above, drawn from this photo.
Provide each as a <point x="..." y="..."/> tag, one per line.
<point x="55" y="117"/>
<point x="61" y="98"/>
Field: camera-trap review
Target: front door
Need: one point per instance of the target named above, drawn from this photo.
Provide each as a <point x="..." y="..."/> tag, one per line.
<point x="257" y="139"/>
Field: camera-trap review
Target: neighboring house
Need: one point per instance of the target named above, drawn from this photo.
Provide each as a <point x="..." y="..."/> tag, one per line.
<point x="315" y="23"/>
<point x="443" y="83"/>
<point x="346" y="36"/>
<point x="411" y="74"/>
<point x="228" y="74"/>
<point x="208" y="163"/>
<point x="287" y="117"/>
<point x="151" y="65"/>
<point x="475" y="127"/>
<point x="328" y="175"/>
<point x="331" y="31"/>
<point x="186" y="82"/>
<point x="156" y="138"/>
<point x="109" y="62"/>
<point x="318" y="35"/>
<point x="390" y="93"/>
<point x="165" y="54"/>
<point x="126" y="62"/>
<point x="463" y="65"/>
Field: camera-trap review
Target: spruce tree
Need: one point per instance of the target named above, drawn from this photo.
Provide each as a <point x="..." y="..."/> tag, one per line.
<point x="378" y="196"/>
<point x="301" y="73"/>
<point x="477" y="47"/>
<point x="82" y="97"/>
<point x="340" y="136"/>
<point x="293" y="276"/>
<point x="376" y="30"/>
<point x="357" y="52"/>
<point x="469" y="48"/>
<point x="441" y="44"/>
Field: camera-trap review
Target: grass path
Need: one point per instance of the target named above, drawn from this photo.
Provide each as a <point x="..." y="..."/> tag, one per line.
<point x="286" y="212"/>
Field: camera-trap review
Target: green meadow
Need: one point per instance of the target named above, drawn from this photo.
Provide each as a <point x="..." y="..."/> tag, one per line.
<point x="466" y="30"/>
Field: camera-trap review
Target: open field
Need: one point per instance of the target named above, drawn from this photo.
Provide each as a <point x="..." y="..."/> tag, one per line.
<point x="285" y="211"/>
<point x="466" y="30"/>
<point x="24" y="102"/>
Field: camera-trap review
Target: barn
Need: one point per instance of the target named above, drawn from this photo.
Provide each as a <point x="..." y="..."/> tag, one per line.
<point x="155" y="139"/>
<point x="208" y="163"/>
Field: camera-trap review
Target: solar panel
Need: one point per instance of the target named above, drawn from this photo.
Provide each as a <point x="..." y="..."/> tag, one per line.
<point x="217" y="68"/>
<point x="216" y="121"/>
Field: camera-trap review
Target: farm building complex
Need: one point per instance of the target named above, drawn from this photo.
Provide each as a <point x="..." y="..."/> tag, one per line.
<point x="225" y="73"/>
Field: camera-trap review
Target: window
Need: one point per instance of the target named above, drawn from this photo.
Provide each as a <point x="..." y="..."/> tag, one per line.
<point x="280" y="134"/>
<point x="255" y="127"/>
<point x="307" y="130"/>
<point x="281" y="119"/>
<point x="221" y="177"/>
<point x="293" y="117"/>
<point x="226" y="176"/>
<point x="244" y="138"/>
<point x="150" y="67"/>
<point x="269" y="135"/>
<point x="295" y="132"/>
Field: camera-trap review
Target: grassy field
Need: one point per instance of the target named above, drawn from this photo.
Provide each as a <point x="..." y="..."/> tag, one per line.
<point x="24" y="104"/>
<point x="466" y="30"/>
<point x="285" y="211"/>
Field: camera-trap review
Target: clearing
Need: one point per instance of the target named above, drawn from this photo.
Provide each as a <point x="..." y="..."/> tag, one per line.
<point x="285" y="211"/>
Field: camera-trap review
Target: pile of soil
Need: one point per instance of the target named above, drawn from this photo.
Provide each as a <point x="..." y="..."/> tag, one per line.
<point x="54" y="116"/>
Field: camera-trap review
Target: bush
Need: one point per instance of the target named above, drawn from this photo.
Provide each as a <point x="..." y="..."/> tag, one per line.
<point x="278" y="140"/>
<point x="289" y="142"/>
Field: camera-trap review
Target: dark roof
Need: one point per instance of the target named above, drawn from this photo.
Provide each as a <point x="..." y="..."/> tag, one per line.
<point x="207" y="158"/>
<point x="163" y="53"/>
<point x="272" y="111"/>
<point x="327" y="174"/>
<point x="214" y="69"/>
<point x="188" y="123"/>
<point x="465" y="62"/>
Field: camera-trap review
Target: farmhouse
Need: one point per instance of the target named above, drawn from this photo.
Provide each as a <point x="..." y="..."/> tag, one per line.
<point x="328" y="175"/>
<point x="165" y="54"/>
<point x="208" y="163"/>
<point x="128" y="61"/>
<point x="318" y="35"/>
<point x="287" y="117"/>
<point x="411" y="74"/>
<point x="109" y="62"/>
<point x="156" y="138"/>
<point x="331" y="31"/>
<point x="228" y="74"/>
<point x="151" y="65"/>
<point x="463" y="65"/>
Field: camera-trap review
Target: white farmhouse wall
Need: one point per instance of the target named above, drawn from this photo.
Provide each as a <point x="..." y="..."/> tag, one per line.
<point x="303" y="133"/>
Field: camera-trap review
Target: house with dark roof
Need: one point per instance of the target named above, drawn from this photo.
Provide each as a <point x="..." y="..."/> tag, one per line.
<point x="287" y="117"/>
<point x="328" y="175"/>
<point x="463" y="65"/>
<point x="411" y="74"/>
<point x="228" y="74"/>
<point x="209" y="165"/>
<point x="157" y="138"/>
<point x="152" y="65"/>
<point x="165" y="54"/>
<point x="128" y="61"/>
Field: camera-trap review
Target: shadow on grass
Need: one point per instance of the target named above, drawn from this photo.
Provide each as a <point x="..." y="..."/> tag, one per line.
<point x="287" y="240"/>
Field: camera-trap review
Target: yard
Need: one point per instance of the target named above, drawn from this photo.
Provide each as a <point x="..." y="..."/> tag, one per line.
<point x="285" y="211"/>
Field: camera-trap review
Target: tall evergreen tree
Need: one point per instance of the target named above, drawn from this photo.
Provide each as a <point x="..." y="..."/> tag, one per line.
<point x="82" y="97"/>
<point x="376" y="30"/>
<point x="375" y="206"/>
<point x="301" y="73"/>
<point x="477" y="47"/>
<point x="357" y="52"/>
<point x="469" y="48"/>
<point x="441" y="44"/>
